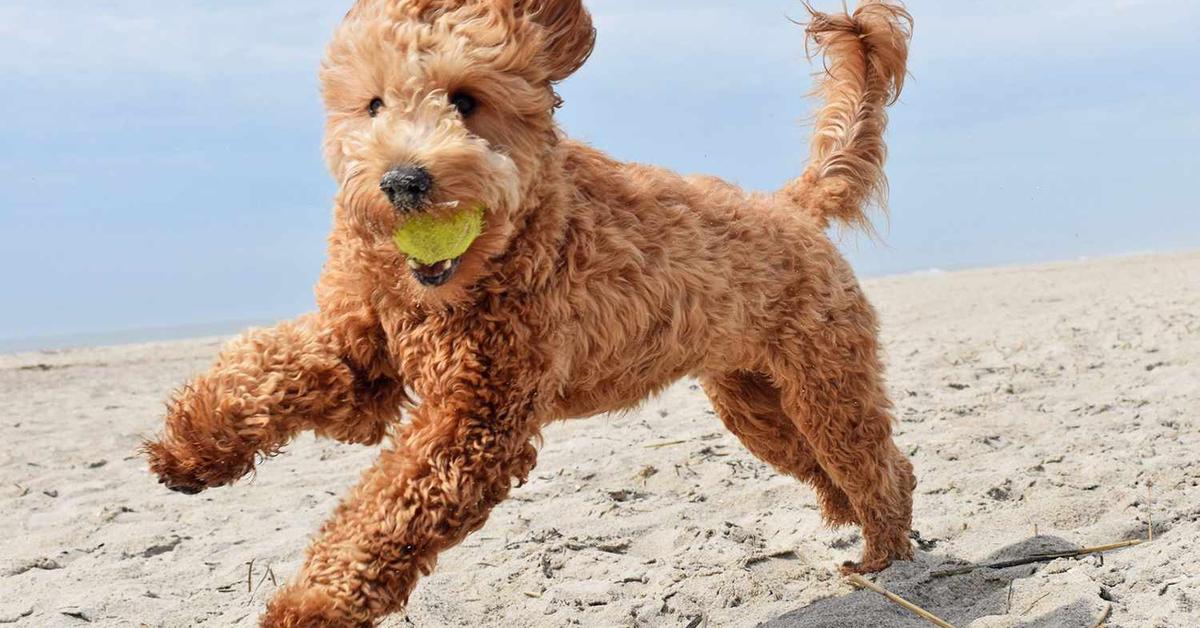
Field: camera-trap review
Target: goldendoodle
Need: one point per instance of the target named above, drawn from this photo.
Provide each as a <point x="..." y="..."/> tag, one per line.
<point x="594" y="284"/>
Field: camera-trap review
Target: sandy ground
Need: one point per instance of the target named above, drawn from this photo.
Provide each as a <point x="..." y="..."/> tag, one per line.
<point x="1039" y="405"/>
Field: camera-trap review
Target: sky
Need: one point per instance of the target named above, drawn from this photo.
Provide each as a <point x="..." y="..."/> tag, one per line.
<point x="160" y="162"/>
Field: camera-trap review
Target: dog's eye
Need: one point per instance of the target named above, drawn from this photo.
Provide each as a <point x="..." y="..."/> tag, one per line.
<point x="374" y="107"/>
<point x="464" y="103"/>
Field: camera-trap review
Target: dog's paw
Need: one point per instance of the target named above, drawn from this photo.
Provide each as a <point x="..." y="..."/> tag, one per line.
<point x="186" y="474"/>
<point x="851" y="567"/>
<point x="295" y="607"/>
<point x="875" y="561"/>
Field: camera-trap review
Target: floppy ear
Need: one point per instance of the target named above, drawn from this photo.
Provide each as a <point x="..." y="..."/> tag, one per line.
<point x="570" y="35"/>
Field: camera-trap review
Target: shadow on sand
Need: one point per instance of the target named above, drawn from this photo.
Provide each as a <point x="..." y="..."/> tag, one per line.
<point x="957" y="599"/>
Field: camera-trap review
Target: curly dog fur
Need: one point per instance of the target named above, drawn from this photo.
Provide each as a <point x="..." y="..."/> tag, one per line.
<point x="596" y="283"/>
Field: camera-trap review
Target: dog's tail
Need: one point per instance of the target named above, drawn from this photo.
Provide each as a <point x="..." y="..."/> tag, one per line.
<point x="865" y="57"/>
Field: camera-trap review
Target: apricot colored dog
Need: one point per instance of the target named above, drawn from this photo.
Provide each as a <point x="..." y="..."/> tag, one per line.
<point x="595" y="284"/>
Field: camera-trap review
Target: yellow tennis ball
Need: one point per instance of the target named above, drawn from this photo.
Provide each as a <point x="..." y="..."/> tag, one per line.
<point x="430" y="239"/>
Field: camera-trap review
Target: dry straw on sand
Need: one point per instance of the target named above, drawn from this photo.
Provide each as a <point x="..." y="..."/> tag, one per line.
<point x="860" y="581"/>
<point x="1039" y="558"/>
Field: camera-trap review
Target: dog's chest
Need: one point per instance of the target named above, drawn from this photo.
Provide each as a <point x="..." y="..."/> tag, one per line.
<point x="429" y="355"/>
<point x="437" y="353"/>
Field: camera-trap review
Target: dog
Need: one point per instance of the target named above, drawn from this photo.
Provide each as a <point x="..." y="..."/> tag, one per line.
<point x="594" y="285"/>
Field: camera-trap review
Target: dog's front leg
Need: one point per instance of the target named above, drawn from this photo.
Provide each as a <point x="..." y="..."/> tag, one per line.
<point x="456" y="460"/>
<point x="266" y="386"/>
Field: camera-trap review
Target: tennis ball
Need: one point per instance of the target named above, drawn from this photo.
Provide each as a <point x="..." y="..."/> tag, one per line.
<point x="430" y="239"/>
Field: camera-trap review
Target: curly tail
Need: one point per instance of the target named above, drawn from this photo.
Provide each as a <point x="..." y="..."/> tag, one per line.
<point x="865" y="57"/>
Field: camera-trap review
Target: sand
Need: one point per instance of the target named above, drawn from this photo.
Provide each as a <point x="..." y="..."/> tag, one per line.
<point x="1044" y="407"/>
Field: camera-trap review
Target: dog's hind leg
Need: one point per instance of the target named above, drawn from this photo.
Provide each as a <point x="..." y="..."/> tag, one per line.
<point x="749" y="405"/>
<point x="832" y="388"/>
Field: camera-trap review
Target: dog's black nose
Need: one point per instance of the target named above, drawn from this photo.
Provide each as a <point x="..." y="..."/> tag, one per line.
<point x="406" y="186"/>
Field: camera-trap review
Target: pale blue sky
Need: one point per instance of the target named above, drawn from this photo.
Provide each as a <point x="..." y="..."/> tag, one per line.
<point x="160" y="163"/>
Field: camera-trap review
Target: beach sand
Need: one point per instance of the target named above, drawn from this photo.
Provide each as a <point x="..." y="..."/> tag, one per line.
<point x="1044" y="407"/>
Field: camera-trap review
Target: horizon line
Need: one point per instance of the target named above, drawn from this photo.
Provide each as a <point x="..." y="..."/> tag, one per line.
<point x="17" y="345"/>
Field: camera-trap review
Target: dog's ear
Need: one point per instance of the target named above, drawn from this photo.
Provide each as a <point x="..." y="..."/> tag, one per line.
<point x="570" y="35"/>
